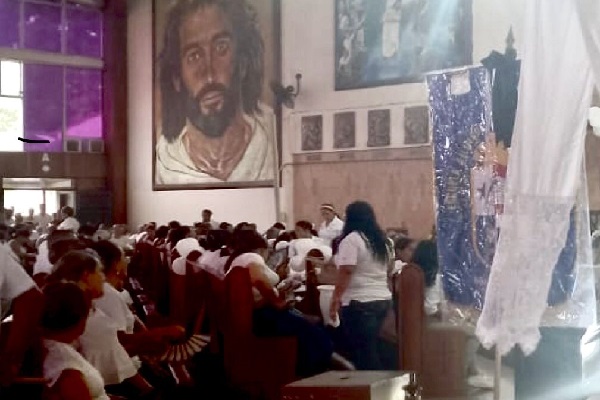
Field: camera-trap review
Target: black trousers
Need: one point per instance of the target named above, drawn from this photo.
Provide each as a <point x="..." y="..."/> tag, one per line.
<point x="361" y="323"/>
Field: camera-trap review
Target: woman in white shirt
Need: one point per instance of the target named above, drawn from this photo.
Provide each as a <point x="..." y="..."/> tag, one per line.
<point x="18" y="290"/>
<point x="272" y="317"/>
<point x="42" y="263"/>
<point x="140" y="341"/>
<point x="332" y="226"/>
<point x="404" y="249"/>
<point x="217" y="253"/>
<point x="305" y="241"/>
<point x="69" y="375"/>
<point x="99" y="343"/>
<point x="69" y="222"/>
<point x="185" y="247"/>
<point x="121" y="238"/>
<point x="362" y="296"/>
<point x="405" y="254"/>
<point x="279" y="254"/>
<point x="132" y="333"/>
<point x="18" y="244"/>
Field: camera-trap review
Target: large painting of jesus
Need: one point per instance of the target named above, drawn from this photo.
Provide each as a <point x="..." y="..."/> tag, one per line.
<point x="214" y="117"/>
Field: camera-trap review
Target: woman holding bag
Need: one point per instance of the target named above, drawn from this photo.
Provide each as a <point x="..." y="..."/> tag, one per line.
<point x="362" y="295"/>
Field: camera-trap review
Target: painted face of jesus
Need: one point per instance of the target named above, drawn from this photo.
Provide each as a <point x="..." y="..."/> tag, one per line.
<point x="209" y="78"/>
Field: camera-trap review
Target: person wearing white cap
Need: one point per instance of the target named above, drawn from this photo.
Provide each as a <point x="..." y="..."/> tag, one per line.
<point x="332" y="226"/>
<point x="184" y="247"/>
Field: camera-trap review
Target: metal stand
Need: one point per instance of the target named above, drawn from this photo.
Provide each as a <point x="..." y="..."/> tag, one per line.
<point x="413" y="390"/>
<point x="497" y="374"/>
<point x="276" y="172"/>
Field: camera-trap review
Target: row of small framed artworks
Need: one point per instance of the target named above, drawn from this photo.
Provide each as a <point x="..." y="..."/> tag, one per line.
<point x="379" y="129"/>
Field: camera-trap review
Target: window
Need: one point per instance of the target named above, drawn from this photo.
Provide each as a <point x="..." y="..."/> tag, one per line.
<point x="55" y="26"/>
<point x="50" y="73"/>
<point x="48" y="102"/>
<point x="21" y="200"/>
<point x="9" y="23"/>
<point x="11" y="106"/>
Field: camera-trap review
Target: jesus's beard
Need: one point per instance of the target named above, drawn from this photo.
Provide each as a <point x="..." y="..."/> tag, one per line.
<point x="214" y="123"/>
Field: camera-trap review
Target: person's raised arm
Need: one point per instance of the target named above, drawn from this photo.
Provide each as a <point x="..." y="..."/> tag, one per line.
<point x="72" y="386"/>
<point x="27" y="310"/>
<point x="347" y="259"/>
<point x="27" y="304"/>
<point x="342" y="283"/>
<point x="264" y="286"/>
<point x="150" y="341"/>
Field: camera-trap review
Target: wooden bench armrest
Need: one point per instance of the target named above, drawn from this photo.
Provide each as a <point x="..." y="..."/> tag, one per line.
<point x="30" y="380"/>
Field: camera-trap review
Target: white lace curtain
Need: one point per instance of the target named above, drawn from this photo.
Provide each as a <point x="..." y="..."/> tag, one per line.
<point x="560" y="63"/>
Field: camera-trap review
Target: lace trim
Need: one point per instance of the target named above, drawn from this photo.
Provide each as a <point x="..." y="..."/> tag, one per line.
<point x="533" y="232"/>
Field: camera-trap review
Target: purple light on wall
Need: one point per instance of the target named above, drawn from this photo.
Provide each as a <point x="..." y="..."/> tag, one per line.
<point x="43" y="107"/>
<point x="9" y="23"/>
<point x="84" y="32"/>
<point x="43" y="27"/>
<point x="84" y="103"/>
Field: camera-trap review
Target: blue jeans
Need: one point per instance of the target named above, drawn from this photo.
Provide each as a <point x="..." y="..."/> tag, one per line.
<point x="361" y="323"/>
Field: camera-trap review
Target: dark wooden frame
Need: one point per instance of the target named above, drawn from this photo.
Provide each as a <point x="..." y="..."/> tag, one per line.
<point x="115" y="109"/>
<point x="277" y="110"/>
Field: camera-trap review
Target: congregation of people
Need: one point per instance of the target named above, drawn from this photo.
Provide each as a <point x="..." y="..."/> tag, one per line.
<point x="104" y="304"/>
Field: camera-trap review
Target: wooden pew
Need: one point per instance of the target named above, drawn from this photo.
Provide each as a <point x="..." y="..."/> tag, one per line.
<point x="261" y="366"/>
<point x="409" y="288"/>
<point x="143" y="304"/>
<point x="146" y="311"/>
<point x="188" y="298"/>
<point x="215" y="310"/>
<point x="152" y="272"/>
<point x="177" y="299"/>
<point x="435" y="351"/>
<point x="310" y="302"/>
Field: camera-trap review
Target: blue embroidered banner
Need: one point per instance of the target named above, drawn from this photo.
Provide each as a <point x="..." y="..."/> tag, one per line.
<point x="470" y="170"/>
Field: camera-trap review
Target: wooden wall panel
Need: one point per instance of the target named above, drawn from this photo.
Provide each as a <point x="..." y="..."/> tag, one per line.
<point x="87" y="184"/>
<point x="61" y="165"/>
<point x="398" y="183"/>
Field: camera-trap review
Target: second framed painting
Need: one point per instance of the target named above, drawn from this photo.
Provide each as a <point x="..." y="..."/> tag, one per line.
<point x="215" y="118"/>
<point x="388" y="42"/>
